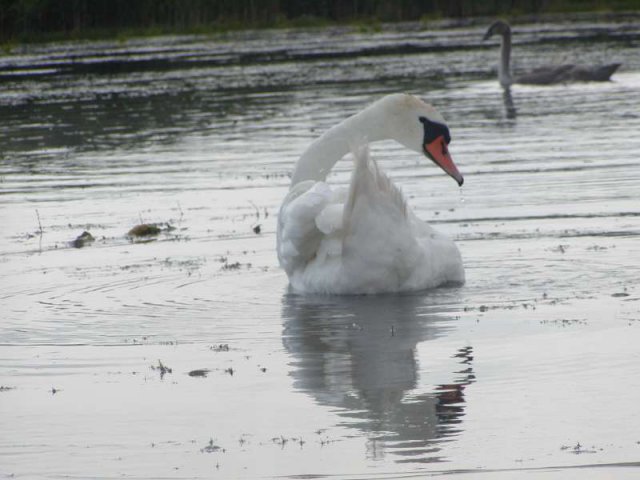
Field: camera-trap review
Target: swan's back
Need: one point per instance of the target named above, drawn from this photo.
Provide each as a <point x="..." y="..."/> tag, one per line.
<point x="546" y="75"/>
<point x="598" y="73"/>
<point x="550" y="75"/>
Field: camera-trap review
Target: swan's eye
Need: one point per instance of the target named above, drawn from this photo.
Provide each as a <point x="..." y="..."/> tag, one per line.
<point x="433" y="130"/>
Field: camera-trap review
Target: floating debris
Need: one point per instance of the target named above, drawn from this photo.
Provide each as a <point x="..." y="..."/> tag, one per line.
<point x="620" y="294"/>
<point x="326" y="441"/>
<point x="565" y="322"/>
<point x="229" y="371"/>
<point x="223" y="347"/>
<point x="578" y="449"/>
<point x="201" y="372"/>
<point x="163" y="369"/>
<point x="144" y="230"/>
<point x="211" y="447"/>
<point x="560" y="248"/>
<point x="280" y="441"/>
<point x="82" y="240"/>
<point x="231" y="266"/>
<point x="5" y="389"/>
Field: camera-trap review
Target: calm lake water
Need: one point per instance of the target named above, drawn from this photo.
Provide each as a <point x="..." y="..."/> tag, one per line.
<point x="531" y="367"/>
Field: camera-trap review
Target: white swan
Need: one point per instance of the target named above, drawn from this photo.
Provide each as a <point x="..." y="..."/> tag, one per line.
<point x="364" y="239"/>
<point x="546" y="75"/>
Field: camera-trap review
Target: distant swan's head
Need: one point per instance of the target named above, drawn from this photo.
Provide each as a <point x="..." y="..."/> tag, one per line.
<point x="420" y="127"/>
<point x="497" y="28"/>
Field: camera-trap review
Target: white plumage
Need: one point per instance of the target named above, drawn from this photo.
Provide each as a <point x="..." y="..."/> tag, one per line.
<point x="364" y="239"/>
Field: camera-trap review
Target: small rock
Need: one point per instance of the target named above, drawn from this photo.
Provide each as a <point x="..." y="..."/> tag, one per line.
<point x="82" y="240"/>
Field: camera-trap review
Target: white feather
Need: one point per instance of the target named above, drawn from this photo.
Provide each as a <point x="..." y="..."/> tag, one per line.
<point x="363" y="239"/>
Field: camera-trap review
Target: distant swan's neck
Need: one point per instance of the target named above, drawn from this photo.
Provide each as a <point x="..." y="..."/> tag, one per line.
<point x="317" y="161"/>
<point x="504" y="71"/>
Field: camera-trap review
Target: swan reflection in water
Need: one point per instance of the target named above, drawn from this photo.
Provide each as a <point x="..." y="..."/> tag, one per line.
<point x="509" y="105"/>
<point x="358" y="354"/>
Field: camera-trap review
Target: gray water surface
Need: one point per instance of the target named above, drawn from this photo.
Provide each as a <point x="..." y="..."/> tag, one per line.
<point x="530" y="367"/>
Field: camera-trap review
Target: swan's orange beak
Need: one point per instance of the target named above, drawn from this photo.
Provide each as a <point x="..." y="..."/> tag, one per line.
<point x="439" y="153"/>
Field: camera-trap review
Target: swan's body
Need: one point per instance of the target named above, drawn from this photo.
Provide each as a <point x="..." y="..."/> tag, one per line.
<point x="546" y="75"/>
<point x="364" y="238"/>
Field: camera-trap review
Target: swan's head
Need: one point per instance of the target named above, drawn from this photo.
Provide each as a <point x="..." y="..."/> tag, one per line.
<point x="420" y="127"/>
<point x="497" y="28"/>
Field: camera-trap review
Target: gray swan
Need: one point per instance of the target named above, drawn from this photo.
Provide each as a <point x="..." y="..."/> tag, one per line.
<point x="547" y="75"/>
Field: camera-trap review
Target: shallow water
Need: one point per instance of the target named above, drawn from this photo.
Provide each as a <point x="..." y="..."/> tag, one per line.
<point x="530" y="367"/>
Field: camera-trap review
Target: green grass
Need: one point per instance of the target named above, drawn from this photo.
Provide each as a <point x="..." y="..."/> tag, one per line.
<point x="123" y="35"/>
<point x="582" y="6"/>
<point x="364" y="25"/>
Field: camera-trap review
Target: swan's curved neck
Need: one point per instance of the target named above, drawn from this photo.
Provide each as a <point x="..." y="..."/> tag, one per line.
<point x="504" y="71"/>
<point x="320" y="157"/>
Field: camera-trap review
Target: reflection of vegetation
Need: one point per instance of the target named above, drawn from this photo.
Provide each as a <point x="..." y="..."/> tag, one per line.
<point x="42" y="19"/>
